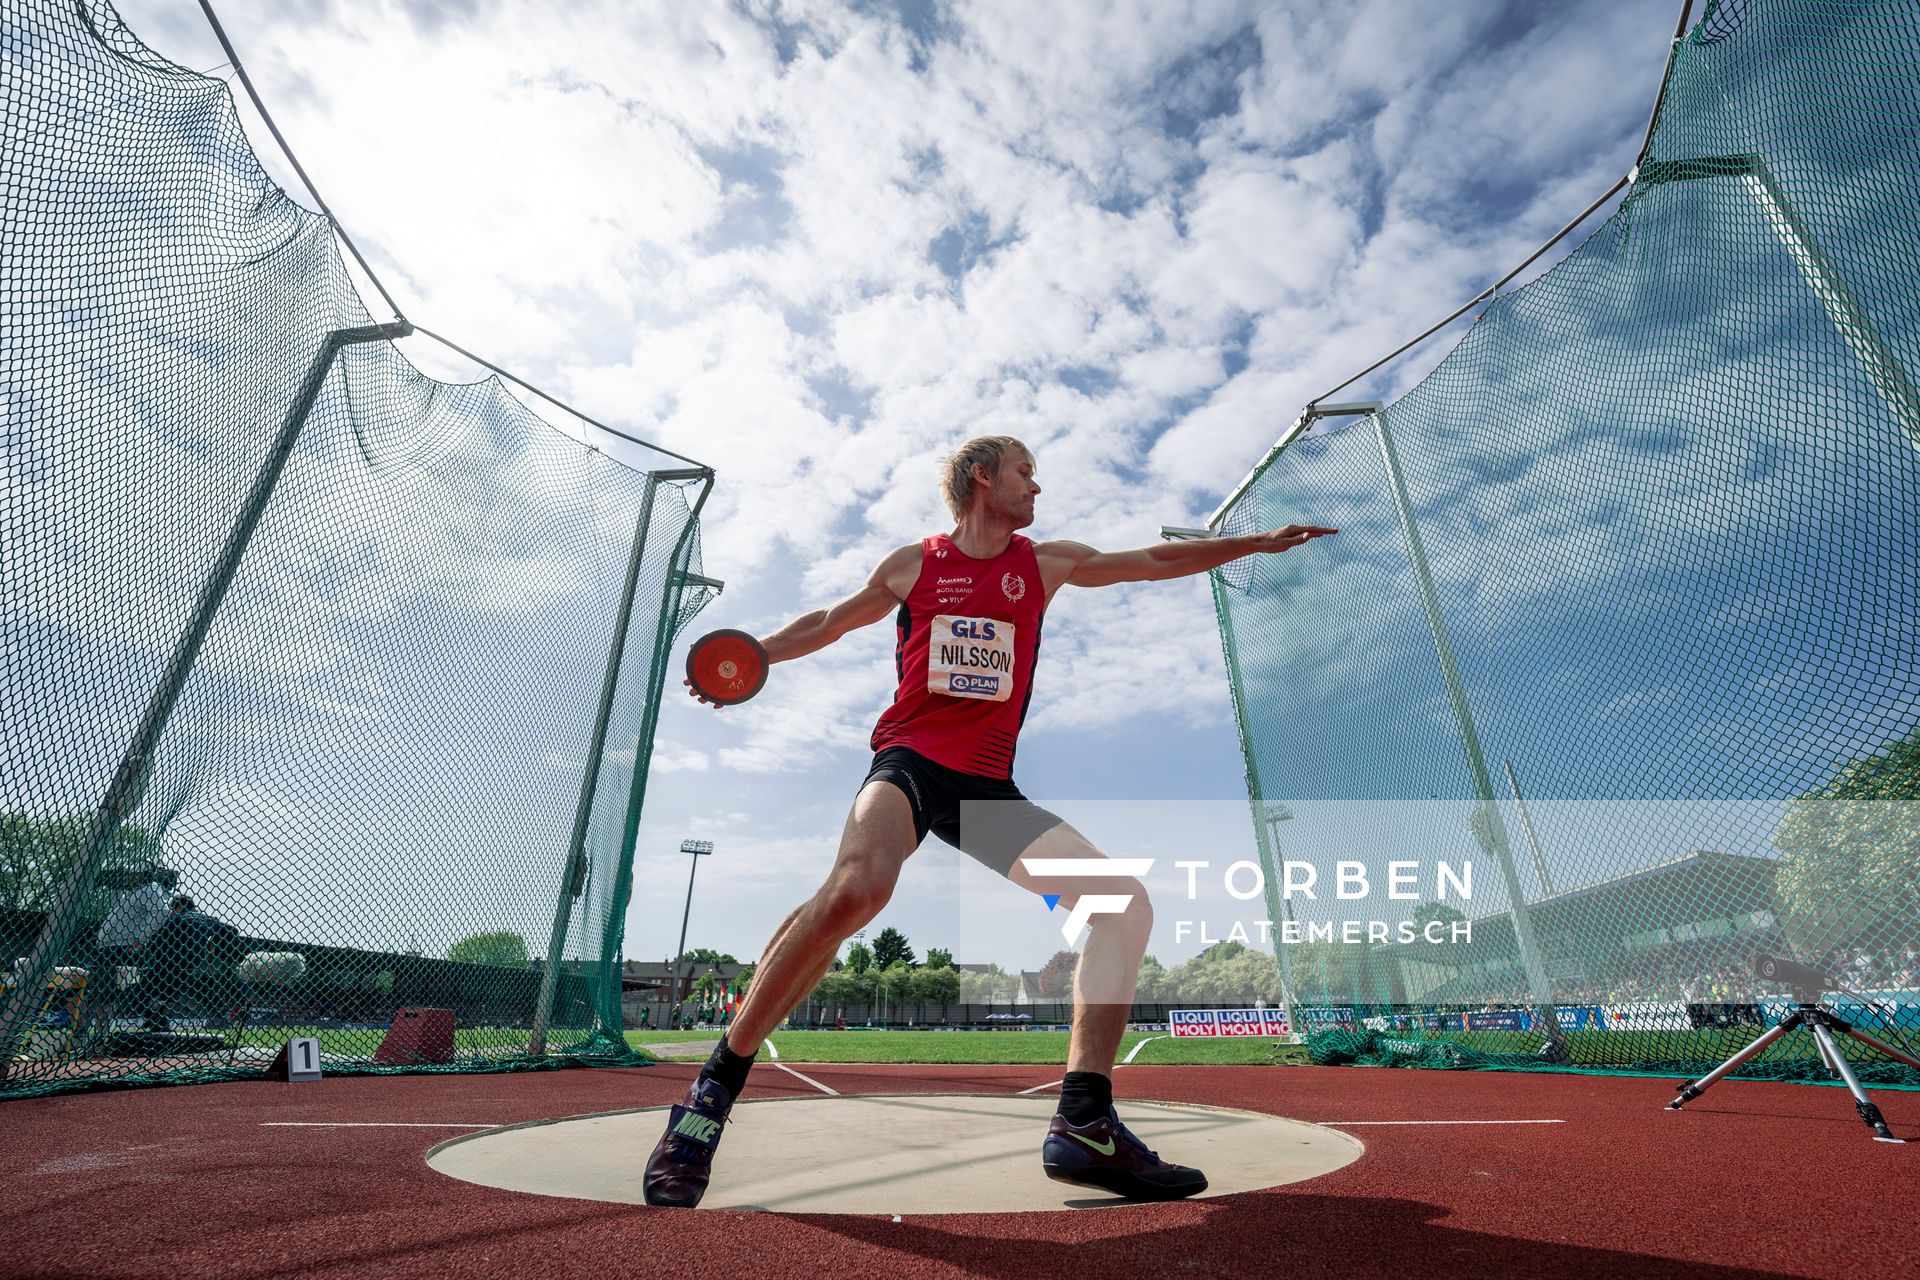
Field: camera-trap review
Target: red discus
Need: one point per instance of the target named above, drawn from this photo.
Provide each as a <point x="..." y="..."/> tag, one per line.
<point x="726" y="666"/>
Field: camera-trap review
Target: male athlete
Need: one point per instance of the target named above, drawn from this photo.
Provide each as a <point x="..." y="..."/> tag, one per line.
<point x="969" y="606"/>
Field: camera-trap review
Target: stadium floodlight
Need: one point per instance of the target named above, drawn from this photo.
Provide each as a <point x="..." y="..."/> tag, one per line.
<point x="698" y="848"/>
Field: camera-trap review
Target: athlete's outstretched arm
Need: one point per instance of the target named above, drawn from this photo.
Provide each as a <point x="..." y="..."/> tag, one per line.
<point x="1076" y="564"/>
<point x="881" y="596"/>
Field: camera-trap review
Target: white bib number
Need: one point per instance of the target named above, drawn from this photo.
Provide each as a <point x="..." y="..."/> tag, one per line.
<point x="970" y="658"/>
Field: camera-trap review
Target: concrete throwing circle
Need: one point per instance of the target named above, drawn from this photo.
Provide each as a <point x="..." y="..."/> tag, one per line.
<point x="912" y="1153"/>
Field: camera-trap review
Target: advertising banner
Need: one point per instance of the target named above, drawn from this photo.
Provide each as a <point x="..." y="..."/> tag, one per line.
<point x="1336" y="1016"/>
<point x="1202" y="1023"/>
<point x="1648" y="1015"/>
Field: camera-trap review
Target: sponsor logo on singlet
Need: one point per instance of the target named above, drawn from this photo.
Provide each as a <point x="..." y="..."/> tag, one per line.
<point x="952" y="590"/>
<point x="970" y="658"/>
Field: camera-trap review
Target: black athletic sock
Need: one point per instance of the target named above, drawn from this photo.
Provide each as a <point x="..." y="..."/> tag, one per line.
<point x="728" y="1069"/>
<point x="1085" y="1096"/>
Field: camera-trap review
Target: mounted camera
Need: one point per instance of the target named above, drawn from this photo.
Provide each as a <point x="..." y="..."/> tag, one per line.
<point x="1807" y="982"/>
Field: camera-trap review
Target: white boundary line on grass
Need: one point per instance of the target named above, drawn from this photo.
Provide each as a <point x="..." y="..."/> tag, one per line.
<point x="1127" y="1061"/>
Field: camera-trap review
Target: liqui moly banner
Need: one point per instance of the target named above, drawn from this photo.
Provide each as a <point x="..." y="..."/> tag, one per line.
<point x="1202" y="1023"/>
<point x="1339" y="1016"/>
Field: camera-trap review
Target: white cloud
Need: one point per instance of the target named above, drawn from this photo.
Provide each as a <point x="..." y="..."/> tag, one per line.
<point x="1139" y="236"/>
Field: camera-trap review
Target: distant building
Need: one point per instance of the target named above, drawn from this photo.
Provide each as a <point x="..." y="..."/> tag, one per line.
<point x="1712" y="901"/>
<point x="652" y="981"/>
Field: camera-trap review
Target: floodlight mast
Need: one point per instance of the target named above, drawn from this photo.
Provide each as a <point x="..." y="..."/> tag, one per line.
<point x="698" y="848"/>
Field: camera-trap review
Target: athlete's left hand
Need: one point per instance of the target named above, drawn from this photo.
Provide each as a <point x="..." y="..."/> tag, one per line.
<point x="1287" y="537"/>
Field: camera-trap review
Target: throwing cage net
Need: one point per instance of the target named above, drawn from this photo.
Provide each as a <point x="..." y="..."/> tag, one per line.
<point x="1625" y="608"/>
<point x="329" y="688"/>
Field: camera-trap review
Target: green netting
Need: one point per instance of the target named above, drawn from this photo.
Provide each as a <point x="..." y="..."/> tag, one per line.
<point x="440" y="616"/>
<point x="1625" y="606"/>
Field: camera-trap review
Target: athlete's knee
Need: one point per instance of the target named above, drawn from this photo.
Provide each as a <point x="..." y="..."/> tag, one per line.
<point x="1138" y="913"/>
<point x="847" y="902"/>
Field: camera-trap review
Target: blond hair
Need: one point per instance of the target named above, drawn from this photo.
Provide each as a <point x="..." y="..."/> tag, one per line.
<point x="957" y="481"/>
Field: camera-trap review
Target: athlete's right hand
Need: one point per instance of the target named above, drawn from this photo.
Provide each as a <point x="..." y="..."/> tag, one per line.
<point x="1287" y="537"/>
<point x="694" y="692"/>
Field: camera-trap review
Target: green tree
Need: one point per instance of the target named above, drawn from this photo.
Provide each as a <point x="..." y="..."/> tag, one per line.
<point x="1056" y="975"/>
<point x="1225" y="973"/>
<point x="939" y="958"/>
<point x="502" y="950"/>
<point x="835" y="989"/>
<point x="1326" y="972"/>
<point x="706" y="955"/>
<point x="1850" y="853"/>
<point x="1152" y="981"/>
<point x="995" y="986"/>
<point x="890" y="947"/>
<point x="939" y="986"/>
<point x="37" y="854"/>
<point x="897" y="980"/>
<point x="859" y="958"/>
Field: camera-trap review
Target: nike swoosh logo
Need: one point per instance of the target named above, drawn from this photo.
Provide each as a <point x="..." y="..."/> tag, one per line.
<point x="1104" y="1148"/>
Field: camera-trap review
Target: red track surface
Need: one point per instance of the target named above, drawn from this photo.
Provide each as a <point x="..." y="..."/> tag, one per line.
<point x="1752" y="1179"/>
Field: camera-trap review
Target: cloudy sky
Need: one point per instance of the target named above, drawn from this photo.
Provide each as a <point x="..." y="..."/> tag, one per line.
<point x="817" y="245"/>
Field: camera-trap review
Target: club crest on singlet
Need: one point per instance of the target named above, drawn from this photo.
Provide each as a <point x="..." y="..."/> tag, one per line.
<point x="970" y="658"/>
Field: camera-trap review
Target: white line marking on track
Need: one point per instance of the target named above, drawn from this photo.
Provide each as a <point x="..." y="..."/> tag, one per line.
<point x="1037" y="1088"/>
<point x="1359" y="1122"/>
<point x="770" y="1049"/>
<point x="1138" y="1047"/>
<point x="366" y="1124"/>
<point x="809" y="1079"/>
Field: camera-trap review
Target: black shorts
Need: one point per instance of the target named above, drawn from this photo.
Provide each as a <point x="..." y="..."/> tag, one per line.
<point x="999" y="822"/>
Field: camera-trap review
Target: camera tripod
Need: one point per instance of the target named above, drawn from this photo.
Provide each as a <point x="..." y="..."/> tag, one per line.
<point x="1821" y="1023"/>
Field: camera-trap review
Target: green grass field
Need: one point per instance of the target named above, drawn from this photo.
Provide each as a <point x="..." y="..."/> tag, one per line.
<point x="1049" y="1047"/>
<point x="1598" y="1049"/>
<point x="1039" y="1047"/>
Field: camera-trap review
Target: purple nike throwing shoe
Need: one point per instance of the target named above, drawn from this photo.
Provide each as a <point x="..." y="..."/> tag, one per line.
<point x="1106" y="1156"/>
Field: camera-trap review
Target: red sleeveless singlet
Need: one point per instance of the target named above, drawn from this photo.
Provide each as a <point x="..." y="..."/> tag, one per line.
<point x="968" y="634"/>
